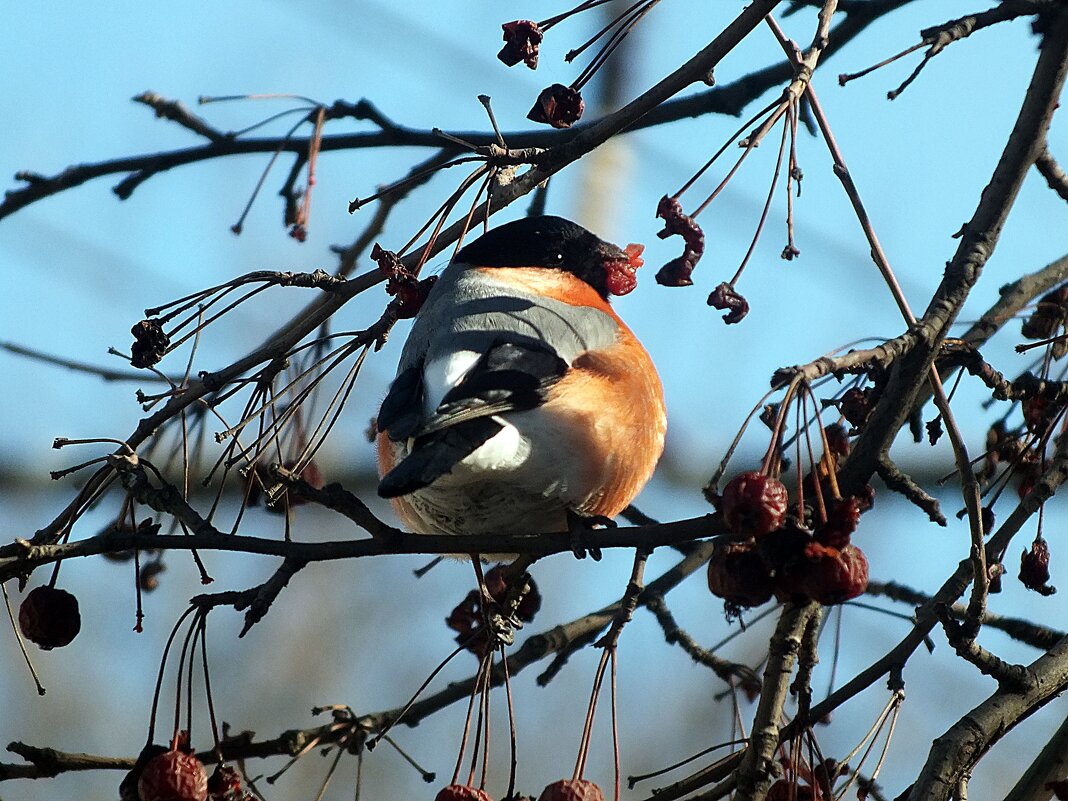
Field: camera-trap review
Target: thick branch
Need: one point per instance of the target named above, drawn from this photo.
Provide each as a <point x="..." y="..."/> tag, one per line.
<point x="758" y="765"/>
<point x="979" y="238"/>
<point x="957" y="751"/>
<point x="22" y="556"/>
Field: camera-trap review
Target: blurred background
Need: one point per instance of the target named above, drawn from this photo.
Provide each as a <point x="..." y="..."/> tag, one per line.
<point x="79" y="269"/>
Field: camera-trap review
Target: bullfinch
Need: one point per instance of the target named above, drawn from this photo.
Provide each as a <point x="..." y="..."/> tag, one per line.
<point x="522" y="401"/>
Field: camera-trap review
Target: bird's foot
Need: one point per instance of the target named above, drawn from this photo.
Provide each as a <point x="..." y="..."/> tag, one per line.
<point x="579" y="527"/>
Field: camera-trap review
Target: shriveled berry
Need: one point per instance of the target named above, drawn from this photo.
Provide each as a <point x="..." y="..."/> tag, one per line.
<point x="49" y="617"/>
<point x="173" y="776"/>
<point x="462" y="792"/>
<point x="842" y="519"/>
<point x="832" y="576"/>
<point x="572" y="790"/>
<point x="521" y="40"/>
<point x="224" y="784"/>
<point x="1048" y="316"/>
<point x="678" y="271"/>
<point x="1034" y="568"/>
<point x="150" y="343"/>
<point x="498" y="587"/>
<point x="401" y="282"/>
<point x="726" y="297"/>
<point x="558" y="105"/>
<point x="738" y="575"/>
<point x="1040" y="413"/>
<point x="128" y="786"/>
<point x="856" y="405"/>
<point x="837" y="440"/>
<point x="754" y="504"/>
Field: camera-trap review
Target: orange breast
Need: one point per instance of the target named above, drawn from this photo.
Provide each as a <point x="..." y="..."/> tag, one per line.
<point x="616" y="402"/>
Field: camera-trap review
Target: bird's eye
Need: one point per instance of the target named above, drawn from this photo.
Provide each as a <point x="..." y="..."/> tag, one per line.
<point x="558" y="257"/>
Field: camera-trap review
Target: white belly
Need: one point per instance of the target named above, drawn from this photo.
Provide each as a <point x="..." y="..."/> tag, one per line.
<point x="506" y="486"/>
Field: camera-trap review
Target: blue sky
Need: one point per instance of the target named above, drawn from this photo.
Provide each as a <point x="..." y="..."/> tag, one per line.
<point x="79" y="268"/>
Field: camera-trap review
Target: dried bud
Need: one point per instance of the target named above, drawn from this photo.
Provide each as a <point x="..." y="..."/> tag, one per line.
<point x="1034" y="568"/>
<point x="726" y="296"/>
<point x="521" y="40"/>
<point x="49" y="617"/>
<point x="677" y="272"/>
<point x="150" y="343"/>
<point x="754" y="504"/>
<point x="559" y="106"/>
<point x="572" y="790"/>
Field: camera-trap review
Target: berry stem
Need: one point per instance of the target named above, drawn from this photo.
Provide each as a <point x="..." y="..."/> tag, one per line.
<point x="22" y="645"/>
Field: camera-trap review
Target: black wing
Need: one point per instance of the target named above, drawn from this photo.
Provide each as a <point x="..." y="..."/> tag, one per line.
<point x="509" y="377"/>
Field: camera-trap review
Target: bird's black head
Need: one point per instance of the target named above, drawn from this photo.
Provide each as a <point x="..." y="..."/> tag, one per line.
<point x="556" y="244"/>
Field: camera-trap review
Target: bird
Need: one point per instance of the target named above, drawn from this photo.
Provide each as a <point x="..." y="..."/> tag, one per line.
<point x="522" y="403"/>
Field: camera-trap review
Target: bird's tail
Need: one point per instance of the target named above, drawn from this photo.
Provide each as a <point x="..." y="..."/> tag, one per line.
<point x="435" y="455"/>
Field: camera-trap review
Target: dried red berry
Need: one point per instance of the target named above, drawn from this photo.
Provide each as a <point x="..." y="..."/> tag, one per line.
<point x="572" y="790"/>
<point x="738" y="575"/>
<point x="754" y="504"/>
<point x="1040" y="413"/>
<point x="461" y="792"/>
<point x="410" y="292"/>
<point x="49" y="617"/>
<point x="558" y="105"/>
<point x="531" y="601"/>
<point x="856" y="406"/>
<point x="150" y="343"/>
<point x="727" y="297"/>
<point x="842" y="519"/>
<point x="224" y="784"/>
<point x="828" y="575"/>
<point x="128" y="786"/>
<point x="1028" y="471"/>
<point x="677" y="272"/>
<point x="1034" y="568"/>
<point x="1048" y="316"/>
<point x="620" y="273"/>
<point x="466" y="617"/>
<point x="173" y="776"/>
<point x="521" y="40"/>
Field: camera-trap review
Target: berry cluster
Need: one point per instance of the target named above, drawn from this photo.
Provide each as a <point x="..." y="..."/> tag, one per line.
<point x="775" y="555"/>
<point x="468" y="620"/>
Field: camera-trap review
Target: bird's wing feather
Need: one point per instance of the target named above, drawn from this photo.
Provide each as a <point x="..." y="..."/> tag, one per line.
<point x="508" y="377"/>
